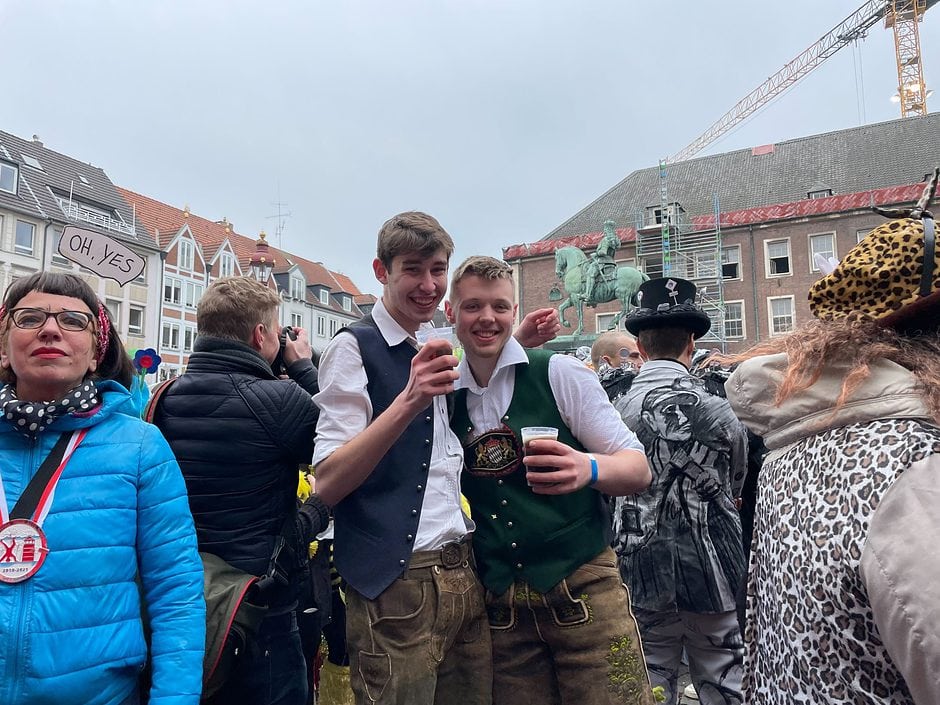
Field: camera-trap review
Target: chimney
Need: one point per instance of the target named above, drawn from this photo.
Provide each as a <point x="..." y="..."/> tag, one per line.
<point x="37" y="141"/>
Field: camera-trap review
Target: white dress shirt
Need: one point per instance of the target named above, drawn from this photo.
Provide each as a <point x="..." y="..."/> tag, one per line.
<point x="346" y="410"/>
<point x="581" y="400"/>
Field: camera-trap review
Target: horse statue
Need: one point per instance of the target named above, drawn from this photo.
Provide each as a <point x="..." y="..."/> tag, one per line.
<point x="571" y="266"/>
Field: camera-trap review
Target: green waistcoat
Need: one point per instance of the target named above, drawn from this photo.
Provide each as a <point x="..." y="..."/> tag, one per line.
<point x="540" y="539"/>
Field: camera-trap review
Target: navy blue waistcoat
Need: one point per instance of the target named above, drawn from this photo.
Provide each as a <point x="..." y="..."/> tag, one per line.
<point x="376" y="524"/>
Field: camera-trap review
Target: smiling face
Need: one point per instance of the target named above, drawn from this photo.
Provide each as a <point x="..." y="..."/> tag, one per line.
<point x="48" y="361"/>
<point x="483" y="311"/>
<point x="414" y="287"/>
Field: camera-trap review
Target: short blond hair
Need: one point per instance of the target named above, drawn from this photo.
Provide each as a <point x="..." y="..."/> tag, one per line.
<point x="411" y="232"/>
<point x="488" y="268"/>
<point x="233" y="306"/>
<point x="608" y="345"/>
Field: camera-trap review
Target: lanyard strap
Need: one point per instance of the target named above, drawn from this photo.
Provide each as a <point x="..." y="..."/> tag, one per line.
<point x="36" y="499"/>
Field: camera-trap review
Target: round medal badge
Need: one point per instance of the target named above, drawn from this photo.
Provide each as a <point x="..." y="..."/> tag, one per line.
<point x="22" y="550"/>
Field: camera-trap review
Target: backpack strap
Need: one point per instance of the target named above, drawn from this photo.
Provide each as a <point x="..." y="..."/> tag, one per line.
<point x="150" y="411"/>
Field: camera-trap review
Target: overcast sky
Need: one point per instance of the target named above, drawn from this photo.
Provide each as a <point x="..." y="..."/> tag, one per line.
<point x="500" y="117"/>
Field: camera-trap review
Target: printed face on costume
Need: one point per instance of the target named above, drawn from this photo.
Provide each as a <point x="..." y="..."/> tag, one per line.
<point x="49" y="360"/>
<point x="483" y="311"/>
<point x="670" y="418"/>
<point x="414" y="287"/>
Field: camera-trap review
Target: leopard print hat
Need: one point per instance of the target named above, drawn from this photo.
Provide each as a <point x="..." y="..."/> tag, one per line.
<point x="892" y="275"/>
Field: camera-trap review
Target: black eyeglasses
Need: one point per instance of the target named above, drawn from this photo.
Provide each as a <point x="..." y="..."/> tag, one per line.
<point x="32" y="318"/>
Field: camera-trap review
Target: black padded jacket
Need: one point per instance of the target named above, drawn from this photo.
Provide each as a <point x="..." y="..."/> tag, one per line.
<point x="239" y="435"/>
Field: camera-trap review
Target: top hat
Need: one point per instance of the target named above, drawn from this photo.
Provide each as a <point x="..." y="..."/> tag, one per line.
<point x="892" y="276"/>
<point x="667" y="302"/>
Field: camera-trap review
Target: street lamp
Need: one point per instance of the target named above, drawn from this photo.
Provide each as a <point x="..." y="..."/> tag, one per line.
<point x="261" y="262"/>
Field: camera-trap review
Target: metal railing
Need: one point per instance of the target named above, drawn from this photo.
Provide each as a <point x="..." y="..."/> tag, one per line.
<point x="76" y="212"/>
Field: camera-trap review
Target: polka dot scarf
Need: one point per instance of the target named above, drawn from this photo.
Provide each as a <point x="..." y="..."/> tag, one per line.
<point x="32" y="417"/>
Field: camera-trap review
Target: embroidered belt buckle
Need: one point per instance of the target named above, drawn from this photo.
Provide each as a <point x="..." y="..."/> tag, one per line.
<point x="454" y="554"/>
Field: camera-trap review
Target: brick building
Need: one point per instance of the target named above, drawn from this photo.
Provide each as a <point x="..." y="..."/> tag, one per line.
<point x="776" y="206"/>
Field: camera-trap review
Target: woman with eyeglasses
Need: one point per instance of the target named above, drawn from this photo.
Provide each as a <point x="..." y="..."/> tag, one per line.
<point x="94" y="521"/>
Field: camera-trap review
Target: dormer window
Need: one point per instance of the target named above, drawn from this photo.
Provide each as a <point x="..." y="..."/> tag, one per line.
<point x="187" y="255"/>
<point x="324" y="297"/>
<point x="9" y="175"/>
<point x="297" y="288"/>
<point x="819" y="193"/>
<point x="226" y="265"/>
<point x="347" y="303"/>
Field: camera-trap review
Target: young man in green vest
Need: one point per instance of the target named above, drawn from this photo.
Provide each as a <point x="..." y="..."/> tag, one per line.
<point x="560" y="618"/>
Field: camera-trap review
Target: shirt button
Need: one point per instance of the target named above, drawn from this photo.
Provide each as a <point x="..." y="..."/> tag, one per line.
<point x="424" y="466"/>
<point x="503" y="503"/>
<point x="493" y="517"/>
<point x="513" y="545"/>
<point x="414" y="512"/>
<point x="508" y="523"/>
<point x="409" y="538"/>
<point x="499" y="482"/>
<point x="401" y="562"/>
<point x="420" y="488"/>
<point x="427" y="441"/>
<point x="427" y="418"/>
<point x="518" y="566"/>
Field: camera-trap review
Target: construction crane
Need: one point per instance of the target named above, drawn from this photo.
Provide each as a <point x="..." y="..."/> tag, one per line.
<point x="900" y="15"/>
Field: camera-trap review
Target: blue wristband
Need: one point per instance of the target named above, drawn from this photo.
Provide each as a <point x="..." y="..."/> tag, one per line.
<point x="593" y="469"/>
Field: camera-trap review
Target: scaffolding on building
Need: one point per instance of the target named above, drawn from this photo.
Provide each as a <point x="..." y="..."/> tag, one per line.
<point x="667" y="244"/>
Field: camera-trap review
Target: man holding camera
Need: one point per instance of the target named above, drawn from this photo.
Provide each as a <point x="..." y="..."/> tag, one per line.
<point x="239" y="434"/>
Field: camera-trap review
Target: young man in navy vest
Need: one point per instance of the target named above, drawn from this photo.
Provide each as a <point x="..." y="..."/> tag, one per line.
<point x="389" y="463"/>
<point x="560" y="618"/>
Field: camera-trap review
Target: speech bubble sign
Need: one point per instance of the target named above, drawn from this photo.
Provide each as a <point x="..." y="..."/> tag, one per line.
<point x="103" y="255"/>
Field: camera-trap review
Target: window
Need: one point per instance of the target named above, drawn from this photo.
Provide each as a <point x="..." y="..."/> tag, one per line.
<point x="189" y="336"/>
<point x="652" y="266"/>
<point x="704" y="265"/>
<point x="30" y="160"/>
<point x="734" y="319"/>
<point x="821" y="193"/>
<point x="84" y="180"/>
<point x="604" y="320"/>
<point x="324" y="297"/>
<point x="186" y="255"/>
<point x="114" y="308"/>
<point x="780" y="313"/>
<point x="171" y="336"/>
<point x="135" y="320"/>
<point x="24" y="237"/>
<point x="172" y="291"/>
<point x="297" y="288"/>
<point x="55" y="257"/>
<point x="194" y="293"/>
<point x="861" y="234"/>
<point x="165" y="372"/>
<point x="9" y="176"/>
<point x="226" y="265"/>
<point x="731" y="262"/>
<point x="627" y="262"/>
<point x="822" y="244"/>
<point x="347" y="303"/>
<point x="778" y="257"/>
<point x="333" y="327"/>
<point x="321" y="326"/>
<point x="296" y="320"/>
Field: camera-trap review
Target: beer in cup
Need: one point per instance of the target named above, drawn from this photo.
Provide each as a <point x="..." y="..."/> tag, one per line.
<point x="532" y="433"/>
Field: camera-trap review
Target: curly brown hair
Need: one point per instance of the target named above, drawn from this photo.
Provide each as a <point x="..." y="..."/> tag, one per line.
<point x="858" y="341"/>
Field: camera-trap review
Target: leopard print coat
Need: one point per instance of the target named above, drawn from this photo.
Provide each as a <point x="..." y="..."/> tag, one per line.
<point x="811" y="634"/>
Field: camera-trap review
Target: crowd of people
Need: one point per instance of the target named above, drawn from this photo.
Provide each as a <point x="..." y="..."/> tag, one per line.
<point x="470" y="563"/>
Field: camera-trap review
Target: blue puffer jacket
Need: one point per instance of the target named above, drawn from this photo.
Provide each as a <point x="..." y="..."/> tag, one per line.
<point x="72" y="633"/>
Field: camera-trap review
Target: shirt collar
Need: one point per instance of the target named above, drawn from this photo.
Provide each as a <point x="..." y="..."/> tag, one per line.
<point x="512" y="354"/>
<point x="390" y="329"/>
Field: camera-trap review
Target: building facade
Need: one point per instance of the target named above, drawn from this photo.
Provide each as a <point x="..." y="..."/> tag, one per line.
<point x="743" y="225"/>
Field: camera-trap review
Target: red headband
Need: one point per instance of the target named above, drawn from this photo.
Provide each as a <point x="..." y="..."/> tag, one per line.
<point x="104" y="333"/>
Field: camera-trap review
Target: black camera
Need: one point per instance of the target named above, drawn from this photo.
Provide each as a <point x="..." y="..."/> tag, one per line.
<point x="278" y="366"/>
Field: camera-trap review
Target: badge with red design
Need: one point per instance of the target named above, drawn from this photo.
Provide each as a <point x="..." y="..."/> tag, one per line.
<point x="23" y="549"/>
<point x="23" y="545"/>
